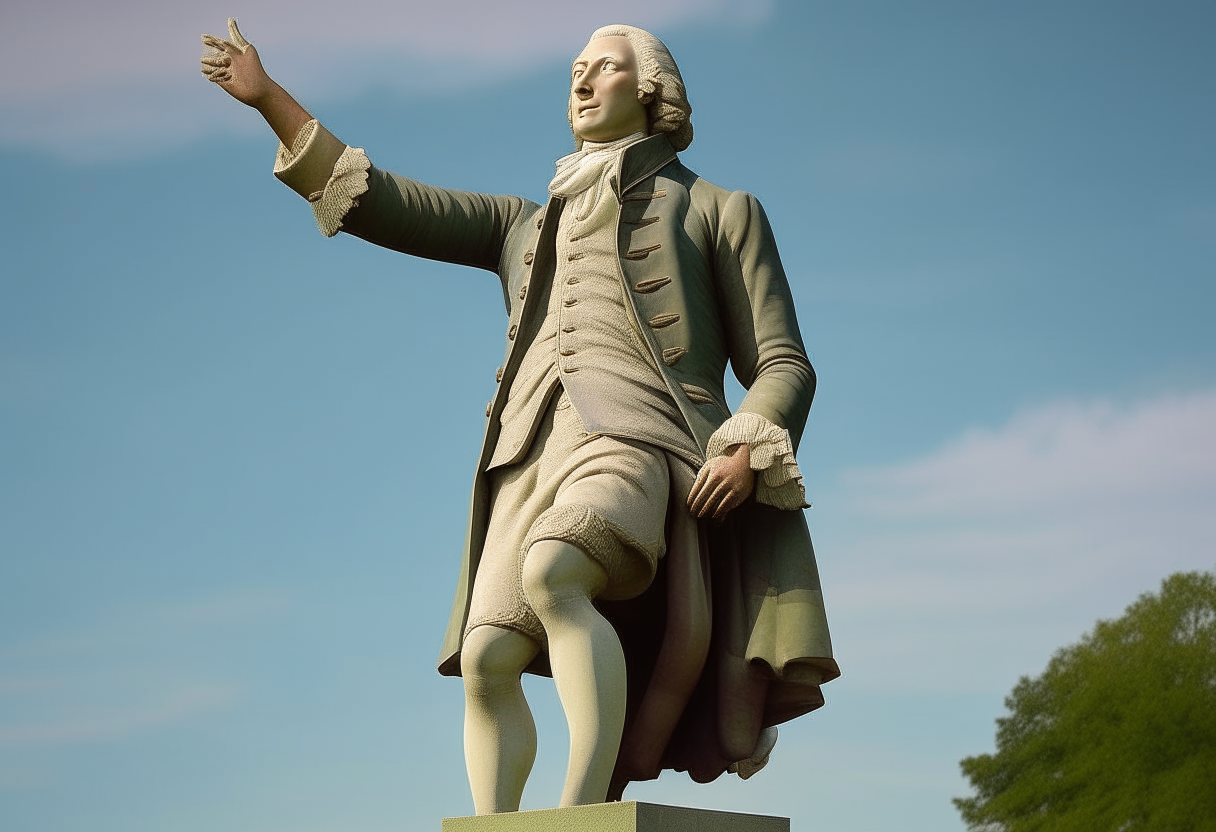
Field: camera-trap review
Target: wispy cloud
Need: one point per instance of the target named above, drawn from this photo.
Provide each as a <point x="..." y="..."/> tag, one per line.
<point x="88" y="722"/>
<point x="23" y="685"/>
<point x="21" y="778"/>
<point x="970" y="565"/>
<point x="127" y="673"/>
<point x="86" y="79"/>
<point x="153" y="624"/>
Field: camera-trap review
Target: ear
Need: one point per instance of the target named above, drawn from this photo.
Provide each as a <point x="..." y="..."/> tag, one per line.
<point x="646" y="97"/>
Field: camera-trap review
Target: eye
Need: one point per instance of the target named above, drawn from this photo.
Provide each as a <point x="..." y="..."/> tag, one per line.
<point x="609" y="66"/>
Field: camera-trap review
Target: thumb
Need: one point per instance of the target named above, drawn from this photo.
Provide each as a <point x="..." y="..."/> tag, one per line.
<point x="235" y="35"/>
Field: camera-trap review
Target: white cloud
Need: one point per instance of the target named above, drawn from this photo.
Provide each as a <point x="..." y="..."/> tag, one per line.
<point x="968" y="567"/>
<point x="86" y="79"/>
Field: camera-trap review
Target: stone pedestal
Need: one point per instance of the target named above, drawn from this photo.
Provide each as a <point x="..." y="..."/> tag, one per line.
<point x="628" y="816"/>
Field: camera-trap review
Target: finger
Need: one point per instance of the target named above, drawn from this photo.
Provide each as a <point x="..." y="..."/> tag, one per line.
<point x="235" y="34"/>
<point x="222" y="45"/>
<point x="697" y="485"/>
<point x="729" y="503"/>
<point x="714" y="499"/>
<point x="216" y="60"/>
<point x="702" y="494"/>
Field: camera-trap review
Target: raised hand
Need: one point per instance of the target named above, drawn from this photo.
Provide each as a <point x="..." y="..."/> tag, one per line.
<point x="722" y="484"/>
<point x="234" y="65"/>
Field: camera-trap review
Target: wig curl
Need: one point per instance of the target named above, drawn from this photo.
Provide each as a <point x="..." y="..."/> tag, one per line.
<point x="660" y="86"/>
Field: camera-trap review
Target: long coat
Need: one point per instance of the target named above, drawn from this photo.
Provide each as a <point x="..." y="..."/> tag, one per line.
<point x="705" y="286"/>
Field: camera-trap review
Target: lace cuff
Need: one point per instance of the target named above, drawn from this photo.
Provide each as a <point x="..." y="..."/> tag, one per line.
<point x="778" y="480"/>
<point x="342" y="191"/>
<point x="322" y="169"/>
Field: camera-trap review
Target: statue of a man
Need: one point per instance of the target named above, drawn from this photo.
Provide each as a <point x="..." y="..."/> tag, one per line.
<point x="628" y="534"/>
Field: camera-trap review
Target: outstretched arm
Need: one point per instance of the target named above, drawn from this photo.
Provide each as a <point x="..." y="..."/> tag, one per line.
<point x="346" y="191"/>
<point x="235" y="66"/>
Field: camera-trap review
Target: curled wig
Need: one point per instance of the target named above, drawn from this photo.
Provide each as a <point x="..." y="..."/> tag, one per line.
<point x="660" y="86"/>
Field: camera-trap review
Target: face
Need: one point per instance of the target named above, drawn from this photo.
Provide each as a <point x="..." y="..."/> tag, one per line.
<point x="604" y="103"/>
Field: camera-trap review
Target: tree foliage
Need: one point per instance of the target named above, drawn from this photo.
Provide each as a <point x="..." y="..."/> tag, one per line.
<point x="1118" y="734"/>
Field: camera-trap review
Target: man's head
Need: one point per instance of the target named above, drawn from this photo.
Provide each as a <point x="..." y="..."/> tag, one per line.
<point x="623" y="82"/>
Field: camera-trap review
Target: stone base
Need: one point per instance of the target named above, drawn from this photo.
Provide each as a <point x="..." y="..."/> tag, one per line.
<point x="629" y="816"/>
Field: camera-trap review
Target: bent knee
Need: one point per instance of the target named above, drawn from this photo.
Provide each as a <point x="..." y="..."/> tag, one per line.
<point x="555" y="571"/>
<point x="492" y="657"/>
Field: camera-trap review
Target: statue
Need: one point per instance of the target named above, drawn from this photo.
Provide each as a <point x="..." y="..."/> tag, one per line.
<point x="628" y="535"/>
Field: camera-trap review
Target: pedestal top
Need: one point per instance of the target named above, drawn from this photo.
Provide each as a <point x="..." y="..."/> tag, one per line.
<point x="626" y="816"/>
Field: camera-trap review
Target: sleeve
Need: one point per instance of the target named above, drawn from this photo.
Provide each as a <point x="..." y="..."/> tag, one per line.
<point x="766" y="351"/>
<point x="326" y="172"/>
<point x="350" y="194"/>
<point x="778" y="481"/>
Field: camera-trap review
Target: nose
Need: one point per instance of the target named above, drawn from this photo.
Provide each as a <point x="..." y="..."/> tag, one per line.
<point x="582" y="88"/>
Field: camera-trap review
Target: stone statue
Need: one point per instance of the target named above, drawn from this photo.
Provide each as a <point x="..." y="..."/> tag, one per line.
<point x="628" y="535"/>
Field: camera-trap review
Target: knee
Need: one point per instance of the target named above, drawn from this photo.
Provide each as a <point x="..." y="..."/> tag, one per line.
<point x="492" y="659"/>
<point x="556" y="572"/>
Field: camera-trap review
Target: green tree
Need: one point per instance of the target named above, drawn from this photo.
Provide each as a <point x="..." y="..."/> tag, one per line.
<point x="1118" y="734"/>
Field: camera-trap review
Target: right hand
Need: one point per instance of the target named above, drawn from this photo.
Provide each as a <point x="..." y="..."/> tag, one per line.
<point x="234" y="65"/>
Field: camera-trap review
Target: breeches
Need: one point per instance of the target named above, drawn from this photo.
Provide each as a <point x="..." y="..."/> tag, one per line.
<point x="606" y="495"/>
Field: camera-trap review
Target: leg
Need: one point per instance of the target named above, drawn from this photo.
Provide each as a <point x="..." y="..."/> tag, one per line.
<point x="587" y="660"/>
<point x="499" y="734"/>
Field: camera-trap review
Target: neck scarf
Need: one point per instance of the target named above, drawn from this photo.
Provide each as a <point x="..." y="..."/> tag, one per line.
<point x="581" y="175"/>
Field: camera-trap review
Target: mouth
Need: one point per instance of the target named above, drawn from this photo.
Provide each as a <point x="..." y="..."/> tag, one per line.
<point x="586" y="108"/>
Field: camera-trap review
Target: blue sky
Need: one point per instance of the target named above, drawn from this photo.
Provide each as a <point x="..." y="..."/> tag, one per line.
<point x="235" y="456"/>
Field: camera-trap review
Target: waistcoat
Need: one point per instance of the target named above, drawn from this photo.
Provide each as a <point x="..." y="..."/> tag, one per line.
<point x="590" y="344"/>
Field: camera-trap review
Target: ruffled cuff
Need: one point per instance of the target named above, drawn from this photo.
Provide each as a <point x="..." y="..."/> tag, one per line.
<point x="342" y="191"/>
<point x="322" y="169"/>
<point x="778" y="480"/>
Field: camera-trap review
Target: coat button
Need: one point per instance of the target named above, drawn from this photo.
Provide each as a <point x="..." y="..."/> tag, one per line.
<point x="511" y="332"/>
<point x="489" y="407"/>
<point x="498" y="375"/>
<point x="528" y="258"/>
<point x="523" y="293"/>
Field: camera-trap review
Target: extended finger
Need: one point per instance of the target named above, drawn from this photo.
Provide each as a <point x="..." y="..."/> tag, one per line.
<point x="729" y="503"/>
<point x="702" y="492"/>
<point x="216" y="60"/>
<point x="720" y="490"/>
<point x="219" y="76"/>
<point x="235" y="34"/>
<point x="222" y="45"/>
<point x="697" y="485"/>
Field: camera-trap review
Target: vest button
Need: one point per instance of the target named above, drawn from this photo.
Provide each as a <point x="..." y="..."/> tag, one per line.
<point x="528" y="258"/>
<point x="523" y="292"/>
